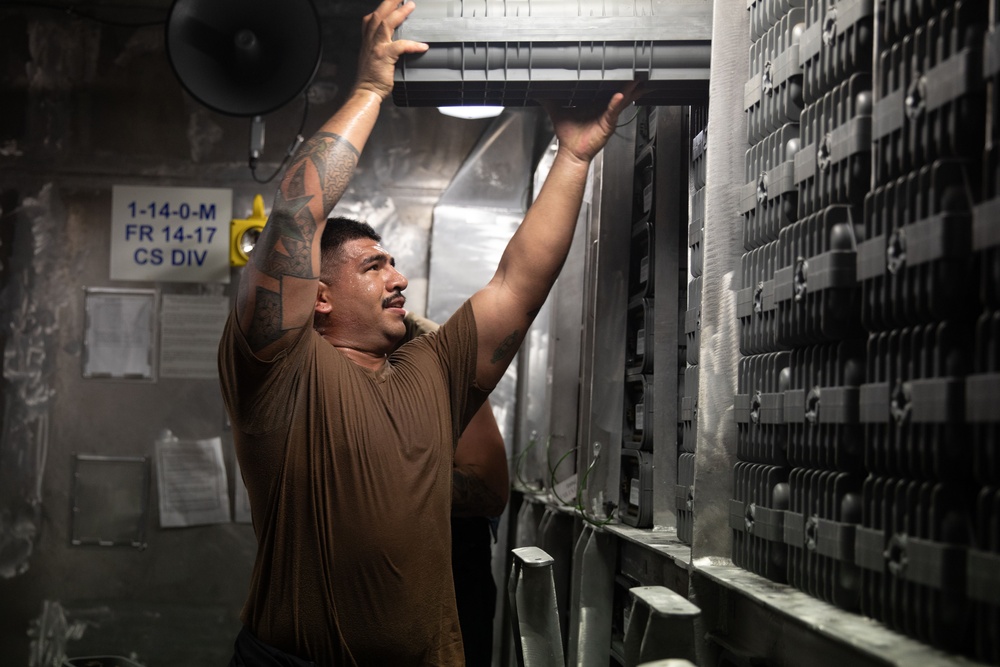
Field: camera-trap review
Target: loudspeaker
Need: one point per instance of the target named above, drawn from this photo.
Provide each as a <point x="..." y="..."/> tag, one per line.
<point x="244" y="57"/>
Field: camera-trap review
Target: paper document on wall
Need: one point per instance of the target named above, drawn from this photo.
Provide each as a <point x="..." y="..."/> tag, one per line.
<point x="191" y="475"/>
<point x="119" y="336"/>
<point x="190" y="329"/>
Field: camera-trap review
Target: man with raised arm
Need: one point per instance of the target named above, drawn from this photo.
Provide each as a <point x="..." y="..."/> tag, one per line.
<point x="345" y="443"/>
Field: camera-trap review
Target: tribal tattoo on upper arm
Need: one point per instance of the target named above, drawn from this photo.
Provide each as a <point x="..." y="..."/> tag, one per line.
<point x="285" y="247"/>
<point x="334" y="158"/>
<point x="266" y="325"/>
<point x="292" y="223"/>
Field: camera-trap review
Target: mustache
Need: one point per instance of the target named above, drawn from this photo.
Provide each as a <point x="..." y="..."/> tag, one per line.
<point x="397" y="300"/>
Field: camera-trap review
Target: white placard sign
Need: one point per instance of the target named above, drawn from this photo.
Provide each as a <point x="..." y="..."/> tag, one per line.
<point x="170" y="234"/>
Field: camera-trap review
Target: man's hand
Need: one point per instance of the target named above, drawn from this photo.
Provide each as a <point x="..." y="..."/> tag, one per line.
<point x="583" y="131"/>
<point x="378" y="56"/>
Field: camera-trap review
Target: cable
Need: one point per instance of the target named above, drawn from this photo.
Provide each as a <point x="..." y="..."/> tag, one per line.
<point x="552" y="473"/>
<point x="291" y="149"/>
<point x="579" y="506"/>
<point x="520" y="460"/>
<point x="629" y="121"/>
<point x="583" y="485"/>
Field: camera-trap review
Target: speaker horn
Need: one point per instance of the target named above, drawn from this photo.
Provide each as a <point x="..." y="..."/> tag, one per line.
<point x="244" y="57"/>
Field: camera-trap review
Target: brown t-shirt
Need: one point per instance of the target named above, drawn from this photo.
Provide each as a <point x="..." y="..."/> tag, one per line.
<point x="349" y="476"/>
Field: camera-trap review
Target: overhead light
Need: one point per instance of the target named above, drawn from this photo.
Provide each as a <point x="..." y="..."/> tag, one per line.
<point x="470" y="112"/>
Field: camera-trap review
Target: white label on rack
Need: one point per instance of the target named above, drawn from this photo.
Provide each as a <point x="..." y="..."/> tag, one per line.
<point x="644" y="271"/>
<point x="633" y="492"/>
<point x="639" y="412"/>
<point x="640" y="342"/>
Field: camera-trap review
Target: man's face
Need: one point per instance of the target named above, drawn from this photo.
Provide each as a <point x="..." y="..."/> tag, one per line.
<point x="366" y="299"/>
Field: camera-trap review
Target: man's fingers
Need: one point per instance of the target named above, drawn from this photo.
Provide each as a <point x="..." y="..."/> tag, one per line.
<point x="396" y="17"/>
<point x="401" y="46"/>
<point x="617" y="103"/>
<point x="387" y="7"/>
<point x="621" y="100"/>
<point x="626" y="96"/>
<point x="390" y="15"/>
<point x="387" y="17"/>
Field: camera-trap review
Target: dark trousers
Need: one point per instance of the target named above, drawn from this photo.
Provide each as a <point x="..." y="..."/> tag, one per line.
<point x="248" y="651"/>
<point x="475" y="590"/>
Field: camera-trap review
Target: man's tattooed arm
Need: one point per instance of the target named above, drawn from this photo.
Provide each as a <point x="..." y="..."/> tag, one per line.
<point x="276" y="301"/>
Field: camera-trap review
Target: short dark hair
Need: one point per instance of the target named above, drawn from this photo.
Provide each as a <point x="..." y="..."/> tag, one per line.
<point x="337" y="232"/>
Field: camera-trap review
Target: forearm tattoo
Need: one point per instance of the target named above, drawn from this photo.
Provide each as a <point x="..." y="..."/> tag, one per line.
<point x="471" y="497"/>
<point x="285" y="246"/>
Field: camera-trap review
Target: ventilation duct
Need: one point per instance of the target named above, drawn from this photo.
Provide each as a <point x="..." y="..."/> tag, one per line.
<point x="473" y="221"/>
<point x="511" y="52"/>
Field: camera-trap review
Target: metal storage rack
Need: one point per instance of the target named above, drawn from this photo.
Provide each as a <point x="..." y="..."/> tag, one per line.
<point x="840" y="505"/>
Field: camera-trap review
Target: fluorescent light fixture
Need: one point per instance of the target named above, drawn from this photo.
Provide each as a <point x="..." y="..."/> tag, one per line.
<point x="471" y="112"/>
